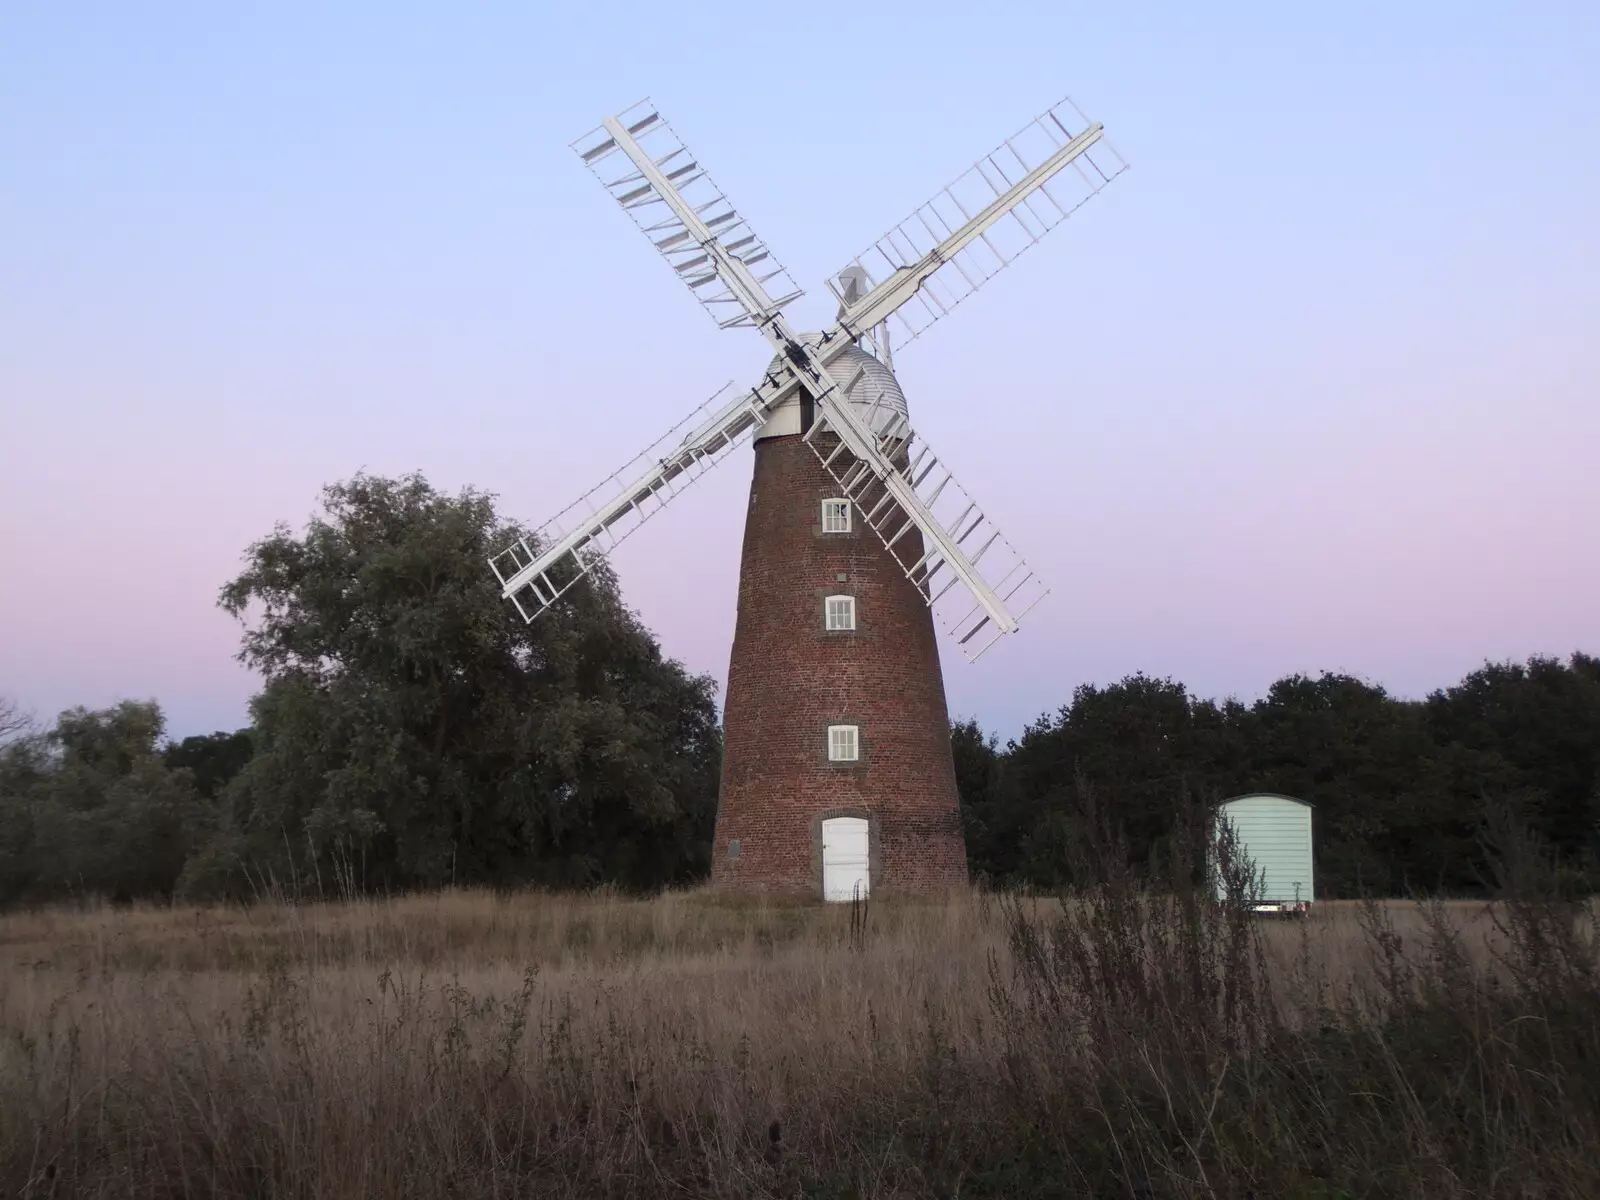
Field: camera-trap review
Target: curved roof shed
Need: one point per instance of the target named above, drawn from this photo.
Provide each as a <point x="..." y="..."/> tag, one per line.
<point x="1274" y="832"/>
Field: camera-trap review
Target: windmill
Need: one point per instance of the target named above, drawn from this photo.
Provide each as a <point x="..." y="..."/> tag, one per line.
<point x="837" y="769"/>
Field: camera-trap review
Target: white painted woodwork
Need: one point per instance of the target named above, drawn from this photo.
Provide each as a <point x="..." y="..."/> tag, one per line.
<point x="845" y="872"/>
<point x="915" y="273"/>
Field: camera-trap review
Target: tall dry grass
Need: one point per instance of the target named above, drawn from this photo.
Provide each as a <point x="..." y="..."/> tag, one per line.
<point x="1126" y="1043"/>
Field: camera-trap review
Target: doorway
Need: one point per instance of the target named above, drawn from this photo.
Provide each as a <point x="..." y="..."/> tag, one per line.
<point x="845" y="872"/>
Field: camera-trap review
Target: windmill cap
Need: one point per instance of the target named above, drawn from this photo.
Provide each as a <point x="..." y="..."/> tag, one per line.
<point x="877" y="386"/>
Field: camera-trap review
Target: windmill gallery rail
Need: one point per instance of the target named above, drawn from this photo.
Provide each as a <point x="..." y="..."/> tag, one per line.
<point x="910" y="277"/>
<point x="837" y="771"/>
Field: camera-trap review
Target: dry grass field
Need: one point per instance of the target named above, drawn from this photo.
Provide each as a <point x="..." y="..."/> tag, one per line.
<point x="467" y="1043"/>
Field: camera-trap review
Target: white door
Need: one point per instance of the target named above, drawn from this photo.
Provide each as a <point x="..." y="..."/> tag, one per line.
<point x="844" y="858"/>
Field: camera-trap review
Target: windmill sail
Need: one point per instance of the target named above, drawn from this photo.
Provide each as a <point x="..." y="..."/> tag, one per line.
<point x="564" y="549"/>
<point x="965" y="570"/>
<point x="662" y="186"/>
<point x="976" y="584"/>
<point x="955" y="243"/>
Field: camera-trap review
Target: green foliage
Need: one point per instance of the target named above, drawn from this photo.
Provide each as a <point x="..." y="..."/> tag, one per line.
<point x="91" y="808"/>
<point x="412" y="732"/>
<point x="214" y="758"/>
<point x="1536" y="728"/>
<point x="1398" y="787"/>
<point x="977" y="761"/>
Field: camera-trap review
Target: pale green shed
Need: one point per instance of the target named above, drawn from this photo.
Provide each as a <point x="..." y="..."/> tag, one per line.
<point x="1274" y="833"/>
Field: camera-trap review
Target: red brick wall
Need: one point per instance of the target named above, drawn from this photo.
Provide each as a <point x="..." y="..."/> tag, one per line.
<point x="789" y="679"/>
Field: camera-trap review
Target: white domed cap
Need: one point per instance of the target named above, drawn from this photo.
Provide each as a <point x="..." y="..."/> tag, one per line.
<point x="876" y="386"/>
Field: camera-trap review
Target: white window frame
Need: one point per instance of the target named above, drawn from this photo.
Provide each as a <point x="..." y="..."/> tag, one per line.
<point x="845" y="512"/>
<point x="842" y="738"/>
<point x="846" y="614"/>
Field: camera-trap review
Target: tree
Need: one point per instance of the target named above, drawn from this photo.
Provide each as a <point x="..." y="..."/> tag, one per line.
<point x="977" y="761"/>
<point x="1359" y="757"/>
<point x="1533" y="731"/>
<point x="13" y="720"/>
<point x="413" y="731"/>
<point x="22" y="763"/>
<point x="214" y="758"/>
<point x="1141" y="749"/>
<point x="90" y="807"/>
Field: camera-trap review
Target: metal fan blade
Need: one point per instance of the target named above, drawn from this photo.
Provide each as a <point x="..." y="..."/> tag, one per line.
<point x="650" y="172"/>
<point x="955" y="243"/>
<point x="976" y="584"/>
<point x="535" y="572"/>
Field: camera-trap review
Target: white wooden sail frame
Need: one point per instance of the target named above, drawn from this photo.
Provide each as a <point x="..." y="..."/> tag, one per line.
<point x="915" y="274"/>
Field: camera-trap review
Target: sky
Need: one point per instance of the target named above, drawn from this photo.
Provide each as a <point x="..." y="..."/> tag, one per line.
<point x="1311" y="387"/>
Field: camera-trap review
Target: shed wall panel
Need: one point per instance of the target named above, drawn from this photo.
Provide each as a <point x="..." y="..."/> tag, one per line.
<point x="1274" y="833"/>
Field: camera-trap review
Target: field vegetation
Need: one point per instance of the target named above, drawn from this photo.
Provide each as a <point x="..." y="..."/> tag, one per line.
<point x="429" y="926"/>
<point x="1133" y="1039"/>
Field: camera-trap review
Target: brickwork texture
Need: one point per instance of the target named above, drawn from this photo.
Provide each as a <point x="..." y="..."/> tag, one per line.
<point x="790" y="678"/>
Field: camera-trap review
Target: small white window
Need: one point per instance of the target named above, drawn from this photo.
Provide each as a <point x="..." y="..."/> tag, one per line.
<point x="842" y="744"/>
<point x="840" y="612"/>
<point x="836" y="516"/>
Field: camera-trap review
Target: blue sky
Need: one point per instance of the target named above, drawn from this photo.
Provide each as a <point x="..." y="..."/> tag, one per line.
<point x="1312" y="386"/>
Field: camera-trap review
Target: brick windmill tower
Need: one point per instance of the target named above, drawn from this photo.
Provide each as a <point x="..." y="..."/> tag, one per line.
<point x="837" y="772"/>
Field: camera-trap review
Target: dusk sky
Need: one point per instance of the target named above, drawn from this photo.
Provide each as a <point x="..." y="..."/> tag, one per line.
<point x="1312" y="386"/>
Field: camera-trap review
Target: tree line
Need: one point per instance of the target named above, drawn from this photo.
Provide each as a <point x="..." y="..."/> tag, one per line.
<point x="1404" y="793"/>
<point x="411" y="732"/>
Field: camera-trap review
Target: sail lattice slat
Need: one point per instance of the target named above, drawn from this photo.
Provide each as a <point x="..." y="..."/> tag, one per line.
<point x="1032" y="215"/>
<point x="536" y="572"/>
<point x="683" y="173"/>
<point x="964" y="528"/>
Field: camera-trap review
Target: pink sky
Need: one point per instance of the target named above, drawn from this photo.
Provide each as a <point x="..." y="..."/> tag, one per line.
<point x="1313" y="386"/>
